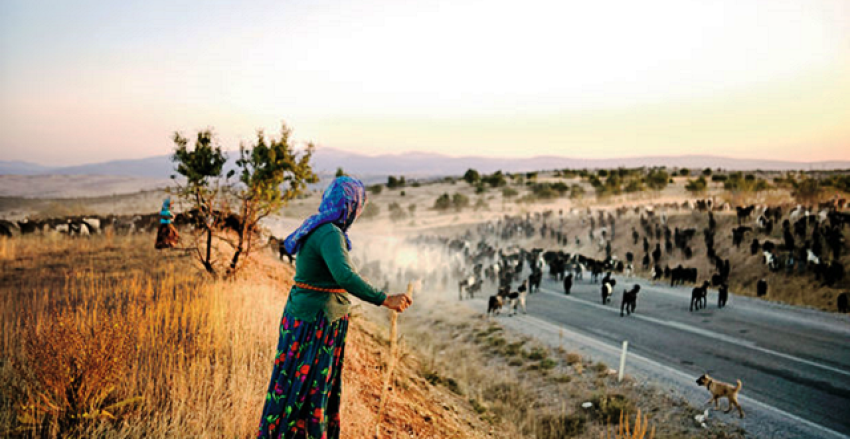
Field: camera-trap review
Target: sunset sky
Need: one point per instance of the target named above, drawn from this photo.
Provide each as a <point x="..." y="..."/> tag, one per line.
<point x="87" y="81"/>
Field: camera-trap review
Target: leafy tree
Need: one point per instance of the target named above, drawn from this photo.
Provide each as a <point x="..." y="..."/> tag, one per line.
<point x="697" y="186"/>
<point x="497" y="179"/>
<point x="684" y="172"/>
<point x="634" y="185"/>
<point x="393" y="182"/>
<point x="443" y="202"/>
<point x="340" y="172"/>
<point x="576" y="192"/>
<point x="459" y="201"/>
<point x="706" y="172"/>
<point x="375" y="189"/>
<point x="657" y="179"/>
<point x="270" y="174"/>
<point x="472" y="176"/>
<point x="202" y="167"/>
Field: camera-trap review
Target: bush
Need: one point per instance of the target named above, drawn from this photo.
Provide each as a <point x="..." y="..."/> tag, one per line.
<point x="393" y="182"/>
<point x="396" y="212"/>
<point x="443" y="202"/>
<point x="371" y="210"/>
<point x="375" y="189"/>
<point x="472" y="176"/>
<point x="576" y="192"/>
<point x="559" y="426"/>
<point x="460" y="201"/>
<point x="69" y="373"/>
<point x="657" y="179"/>
<point x="696" y="186"/>
<point x="606" y="407"/>
<point x="509" y="192"/>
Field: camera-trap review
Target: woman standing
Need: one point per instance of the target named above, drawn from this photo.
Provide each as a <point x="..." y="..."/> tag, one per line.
<point x="303" y="398"/>
<point x="166" y="236"/>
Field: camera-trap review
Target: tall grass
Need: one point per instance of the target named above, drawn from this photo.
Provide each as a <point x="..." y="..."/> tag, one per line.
<point x="188" y="357"/>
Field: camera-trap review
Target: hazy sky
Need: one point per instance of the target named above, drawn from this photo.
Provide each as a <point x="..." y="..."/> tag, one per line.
<point x="84" y="81"/>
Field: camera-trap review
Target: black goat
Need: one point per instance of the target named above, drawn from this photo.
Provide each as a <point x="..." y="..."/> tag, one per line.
<point x="629" y="302"/>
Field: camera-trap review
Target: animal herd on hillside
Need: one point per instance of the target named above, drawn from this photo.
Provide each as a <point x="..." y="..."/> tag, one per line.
<point x="810" y="246"/>
<point x="795" y="240"/>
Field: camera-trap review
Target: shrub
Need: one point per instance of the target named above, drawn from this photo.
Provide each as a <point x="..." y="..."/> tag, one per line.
<point x="375" y="189"/>
<point x="371" y="210"/>
<point x="558" y="426"/>
<point x="471" y="176"/>
<point x="443" y="202"/>
<point x="396" y="212"/>
<point x="69" y="372"/>
<point x="696" y="186"/>
<point x="509" y="192"/>
<point x="607" y="407"/>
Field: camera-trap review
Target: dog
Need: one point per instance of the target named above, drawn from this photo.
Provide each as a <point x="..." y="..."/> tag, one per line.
<point x="721" y="390"/>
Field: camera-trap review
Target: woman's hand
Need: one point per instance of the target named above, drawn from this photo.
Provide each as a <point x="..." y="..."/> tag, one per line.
<point x="398" y="302"/>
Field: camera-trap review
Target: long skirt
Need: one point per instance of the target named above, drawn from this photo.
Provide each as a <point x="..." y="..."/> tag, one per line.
<point x="167" y="236"/>
<point x="303" y="398"/>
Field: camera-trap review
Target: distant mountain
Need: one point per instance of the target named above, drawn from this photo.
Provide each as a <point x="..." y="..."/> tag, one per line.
<point x="21" y="168"/>
<point x="423" y="165"/>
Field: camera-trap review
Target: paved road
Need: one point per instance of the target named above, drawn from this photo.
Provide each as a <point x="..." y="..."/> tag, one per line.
<point x="794" y="363"/>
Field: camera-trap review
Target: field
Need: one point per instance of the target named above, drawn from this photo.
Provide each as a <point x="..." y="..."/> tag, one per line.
<point x="104" y="336"/>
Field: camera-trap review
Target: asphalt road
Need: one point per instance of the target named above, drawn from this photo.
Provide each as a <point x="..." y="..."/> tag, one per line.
<point x="794" y="363"/>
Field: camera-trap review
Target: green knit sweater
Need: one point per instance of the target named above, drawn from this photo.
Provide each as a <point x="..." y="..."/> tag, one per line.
<point x="323" y="262"/>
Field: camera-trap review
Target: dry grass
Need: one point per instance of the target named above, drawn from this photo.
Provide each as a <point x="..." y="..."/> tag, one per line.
<point x="107" y="337"/>
<point x="201" y="350"/>
<point x="541" y="395"/>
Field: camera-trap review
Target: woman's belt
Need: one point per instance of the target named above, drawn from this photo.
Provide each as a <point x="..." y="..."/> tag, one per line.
<point x="326" y="290"/>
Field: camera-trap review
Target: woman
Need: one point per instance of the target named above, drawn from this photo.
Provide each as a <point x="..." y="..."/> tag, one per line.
<point x="303" y="398"/>
<point x="166" y="236"/>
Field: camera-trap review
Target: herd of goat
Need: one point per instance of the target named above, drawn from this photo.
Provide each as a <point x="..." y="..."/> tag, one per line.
<point x="813" y="244"/>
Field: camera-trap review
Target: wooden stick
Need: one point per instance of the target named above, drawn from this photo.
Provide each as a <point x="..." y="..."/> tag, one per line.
<point x="392" y="362"/>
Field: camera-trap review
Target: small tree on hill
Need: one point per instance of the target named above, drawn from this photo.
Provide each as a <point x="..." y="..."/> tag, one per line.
<point x="270" y="174"/>
<point x="472" y="177"/>
<point x="697" y="186"/>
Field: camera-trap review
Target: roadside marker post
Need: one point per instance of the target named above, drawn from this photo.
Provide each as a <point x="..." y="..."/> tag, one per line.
<point x="622" y="361"/>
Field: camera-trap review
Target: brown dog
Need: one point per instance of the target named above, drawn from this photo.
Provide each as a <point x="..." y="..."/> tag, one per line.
<point x="721" y="390"/>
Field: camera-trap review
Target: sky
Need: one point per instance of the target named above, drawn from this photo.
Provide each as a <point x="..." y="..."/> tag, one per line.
<point x="90" y="81"/>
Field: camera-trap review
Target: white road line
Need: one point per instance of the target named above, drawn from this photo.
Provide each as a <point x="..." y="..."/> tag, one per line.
<point x="725" y="338"/>
<point x="682" y="375"/>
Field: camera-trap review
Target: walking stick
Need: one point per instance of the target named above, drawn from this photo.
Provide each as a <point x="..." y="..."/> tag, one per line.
<point x="392" y="362"/>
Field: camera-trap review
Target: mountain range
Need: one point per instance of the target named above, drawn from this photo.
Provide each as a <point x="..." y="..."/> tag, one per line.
<point x="423" y="165"/>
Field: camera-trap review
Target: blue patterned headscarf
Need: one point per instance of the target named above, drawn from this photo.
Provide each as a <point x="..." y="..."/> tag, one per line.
<point x="342" y="203"/>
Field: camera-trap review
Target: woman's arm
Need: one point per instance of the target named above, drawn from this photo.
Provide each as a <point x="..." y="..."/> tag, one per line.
<point x="335" y="253"/>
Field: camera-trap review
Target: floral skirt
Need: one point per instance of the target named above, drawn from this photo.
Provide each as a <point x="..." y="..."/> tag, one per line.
<point x="303" y="399"/>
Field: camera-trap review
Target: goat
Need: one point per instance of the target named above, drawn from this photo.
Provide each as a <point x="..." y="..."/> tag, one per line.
<point x="722" y="295"/>
<point x="843" y="306"/>
<point x="699" y="297"/>
<point x="761" y="288"/>
<point x="629" y="302"/>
